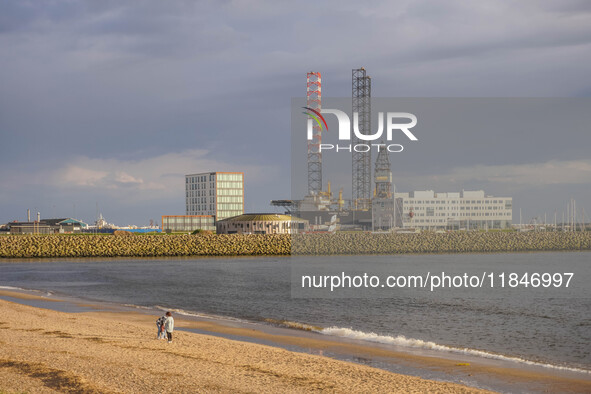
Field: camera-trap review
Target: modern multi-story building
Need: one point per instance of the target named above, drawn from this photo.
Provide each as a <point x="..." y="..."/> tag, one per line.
<point x="217" y="194"/>
<point x="468" y="210"/>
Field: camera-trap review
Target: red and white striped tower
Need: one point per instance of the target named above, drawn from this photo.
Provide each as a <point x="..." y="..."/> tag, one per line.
<point x="314" y="98"/>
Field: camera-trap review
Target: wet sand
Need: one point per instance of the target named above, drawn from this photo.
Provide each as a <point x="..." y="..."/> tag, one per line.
<point x="25" y="296"/>
<point x="48" y="351"/>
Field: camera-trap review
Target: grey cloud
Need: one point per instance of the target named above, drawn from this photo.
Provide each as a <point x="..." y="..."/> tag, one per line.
<point x="112" y="80"/>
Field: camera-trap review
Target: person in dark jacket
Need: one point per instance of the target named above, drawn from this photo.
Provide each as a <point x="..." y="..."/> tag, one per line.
<point x="160" y="325"/>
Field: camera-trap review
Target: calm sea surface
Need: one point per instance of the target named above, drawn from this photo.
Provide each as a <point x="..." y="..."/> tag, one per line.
<point x="546" y="325"/>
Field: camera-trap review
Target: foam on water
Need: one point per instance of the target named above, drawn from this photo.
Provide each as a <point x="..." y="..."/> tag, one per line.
<point x="14" y="288"/>
<point x="136" y="306"/>
<point x="20" y="289"/>
<point x="401" y="340"/>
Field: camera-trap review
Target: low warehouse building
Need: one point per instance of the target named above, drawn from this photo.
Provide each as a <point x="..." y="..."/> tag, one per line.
<point x="261" y="223"/>
<point x="47" y="226"/>
<point x="187" y="223"/>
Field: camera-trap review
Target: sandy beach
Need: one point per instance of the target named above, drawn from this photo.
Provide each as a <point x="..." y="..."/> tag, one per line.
<point x="46" y="351"/>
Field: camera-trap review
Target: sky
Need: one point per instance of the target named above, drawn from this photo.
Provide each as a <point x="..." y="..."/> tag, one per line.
<point x="105" y="105"/>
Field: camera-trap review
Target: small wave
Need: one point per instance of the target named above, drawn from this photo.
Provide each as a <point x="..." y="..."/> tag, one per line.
<point x="178" y="311"/>
<point x="28" y="291"/>
<point x="294" y="325"/>
<point x="401" y="340"/>
<point x="13" y="288"/>
<point x="137" y="306"/>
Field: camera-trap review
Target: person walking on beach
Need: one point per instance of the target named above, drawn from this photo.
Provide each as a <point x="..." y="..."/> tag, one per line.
<point x="160" y="325"/>
<point x="169" y="326"/>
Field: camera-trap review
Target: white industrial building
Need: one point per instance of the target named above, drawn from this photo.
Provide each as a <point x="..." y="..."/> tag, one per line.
<point x="470" y="210"/>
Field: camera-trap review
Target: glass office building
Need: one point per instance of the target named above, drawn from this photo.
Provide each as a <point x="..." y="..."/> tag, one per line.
<point x="218" y="194"/>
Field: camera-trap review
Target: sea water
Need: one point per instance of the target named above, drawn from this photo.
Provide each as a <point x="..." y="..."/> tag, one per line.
<point x="549" y="326"/>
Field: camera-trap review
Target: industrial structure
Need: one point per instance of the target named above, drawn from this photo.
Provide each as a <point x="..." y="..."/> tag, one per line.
<point x="384" y="209"/>
<point x="321" y="207"/>
<point x="361" y="95"/>
<point x="383" y="203"/>
<point x="314" y="103"/>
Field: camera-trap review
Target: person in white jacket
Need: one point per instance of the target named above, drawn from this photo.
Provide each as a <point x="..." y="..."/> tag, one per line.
<point x="169" y="326"/>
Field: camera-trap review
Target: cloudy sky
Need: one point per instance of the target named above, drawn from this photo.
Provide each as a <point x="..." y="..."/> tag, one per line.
<point x="112" y="102"/>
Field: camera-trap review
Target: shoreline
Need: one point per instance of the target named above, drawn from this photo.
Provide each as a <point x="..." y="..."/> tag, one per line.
<point x="449" y="367"/>
<point x="95" y="352"/>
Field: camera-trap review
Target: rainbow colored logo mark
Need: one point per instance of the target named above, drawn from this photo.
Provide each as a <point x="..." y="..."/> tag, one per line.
<point x="316" y="117"/>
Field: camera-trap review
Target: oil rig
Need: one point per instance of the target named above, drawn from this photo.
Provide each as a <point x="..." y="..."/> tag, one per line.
<point x="368" y="209"/>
